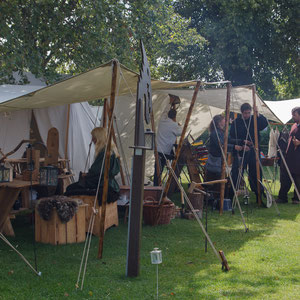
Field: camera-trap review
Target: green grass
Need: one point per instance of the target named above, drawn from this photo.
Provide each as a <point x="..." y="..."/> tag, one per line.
<point x="265" y="262"/>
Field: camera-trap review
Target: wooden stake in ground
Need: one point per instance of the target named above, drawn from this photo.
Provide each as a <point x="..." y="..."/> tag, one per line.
<point x="107" y="156"/>
<point x="256" y="144"/>
<point x="223" y="172"/>
<point x="219" y="255"/>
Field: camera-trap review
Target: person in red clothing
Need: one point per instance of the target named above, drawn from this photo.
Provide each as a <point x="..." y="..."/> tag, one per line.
<point x="292" y="157"/>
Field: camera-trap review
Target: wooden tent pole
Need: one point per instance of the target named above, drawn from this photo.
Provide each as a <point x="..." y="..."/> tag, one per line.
<point x="187" y="120"/>
<point x="67" y="131"/>
<point x="107" y="157"/>
<point x="104" y="113"/>
<point x="256" y="144"/>
<point x="121" y="168"/>
<point x="155" y="151"/>
<point x="223" y="172"/>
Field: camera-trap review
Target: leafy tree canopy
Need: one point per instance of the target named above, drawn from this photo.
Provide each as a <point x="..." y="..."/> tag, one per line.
<point x="251" y="41"/>
<point x="48" y="37"/>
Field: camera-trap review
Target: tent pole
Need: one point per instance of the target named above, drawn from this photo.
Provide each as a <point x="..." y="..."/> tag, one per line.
<point x="121" y="168"/>
<point x="107" y="156"/>
<point x="155" y="151"/>
<point x="104" y="113"/>
<point x="187" y="120"/>
<point x="256" y="144"/>
<point x="67" y="131"/>
<point x="223" y="172"/>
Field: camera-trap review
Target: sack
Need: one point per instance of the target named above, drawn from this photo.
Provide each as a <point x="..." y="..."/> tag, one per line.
<point x="213" y="164"/>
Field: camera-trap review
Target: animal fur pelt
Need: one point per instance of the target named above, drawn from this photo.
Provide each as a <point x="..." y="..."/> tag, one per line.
<point x="66" y="207"/>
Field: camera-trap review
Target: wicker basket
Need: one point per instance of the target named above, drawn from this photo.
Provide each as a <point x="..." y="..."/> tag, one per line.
<point x="151" y="211"/>
<point x="268" y="162"/>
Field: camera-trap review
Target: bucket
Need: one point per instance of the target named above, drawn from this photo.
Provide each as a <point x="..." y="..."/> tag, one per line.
<point x="227" y="205"/>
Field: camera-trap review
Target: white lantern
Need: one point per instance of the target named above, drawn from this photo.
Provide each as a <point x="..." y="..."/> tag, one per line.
<point x="149" y="139"/>
<point x="156" y="256"/>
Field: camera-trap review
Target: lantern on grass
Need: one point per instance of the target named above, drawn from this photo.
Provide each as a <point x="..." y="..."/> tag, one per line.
<point x="156" y="256"/>
<point x="49" y="176"/>
<point x="4" y="174"/>
<point x="149" y="139"/>
<point x="156" y="259"/>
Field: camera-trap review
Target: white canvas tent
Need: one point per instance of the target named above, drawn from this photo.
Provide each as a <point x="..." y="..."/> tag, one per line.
<point x="282" y="109"/>
<point x="96" y="84"/>
<point x="15" y="126"/>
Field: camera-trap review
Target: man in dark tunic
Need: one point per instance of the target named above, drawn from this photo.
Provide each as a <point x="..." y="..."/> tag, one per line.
<point x="239" y="135"/>
<point x="293" y="161"/>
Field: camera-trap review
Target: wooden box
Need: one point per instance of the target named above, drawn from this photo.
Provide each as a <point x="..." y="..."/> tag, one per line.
<point x="111" y="214"/>
<point x="57" y="233"/>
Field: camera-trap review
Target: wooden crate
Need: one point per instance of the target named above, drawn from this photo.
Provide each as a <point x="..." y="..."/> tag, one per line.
<point x="56" y="233"/>
<point x="111" y="214"/>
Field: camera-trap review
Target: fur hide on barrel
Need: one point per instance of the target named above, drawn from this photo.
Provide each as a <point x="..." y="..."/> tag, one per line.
<point x="66" y="207"/>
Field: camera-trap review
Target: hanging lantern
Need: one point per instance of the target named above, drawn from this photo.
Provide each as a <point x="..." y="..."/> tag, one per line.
<point x="49" y="176"/>
<point x="156" y="256"/>
<point x="4" y="174"/>
<point x="149" y="139"/>
<point x="174" y="101"/>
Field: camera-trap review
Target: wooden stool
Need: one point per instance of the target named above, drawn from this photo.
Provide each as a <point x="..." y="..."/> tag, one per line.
<point x="111" y="217"/>
<point x="56" y="233"/>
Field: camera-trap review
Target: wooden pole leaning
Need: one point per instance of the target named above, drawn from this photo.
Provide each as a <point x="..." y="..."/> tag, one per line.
<point x="187" y="120"/>
<point x="121" y="167"/>
<point x="223" y="171"/>
<point x="107" y="157"/>
<point x="155" y="151"/>
<point x="256" y="144"/>
<point x="105" y="115"/>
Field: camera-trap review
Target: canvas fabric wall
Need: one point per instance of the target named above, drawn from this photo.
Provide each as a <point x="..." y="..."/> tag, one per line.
<point x="209" y="102"/>
<point x="15" y="126"/>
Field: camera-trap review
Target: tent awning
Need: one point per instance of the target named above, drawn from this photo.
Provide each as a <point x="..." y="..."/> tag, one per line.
<point x="282" y="109"/>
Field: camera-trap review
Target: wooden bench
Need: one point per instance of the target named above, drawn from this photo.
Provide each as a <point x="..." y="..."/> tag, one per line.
<point x="111" y="217"/>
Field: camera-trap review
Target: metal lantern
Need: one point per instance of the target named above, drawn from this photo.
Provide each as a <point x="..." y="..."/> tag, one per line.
<point x="49" y="176"/>
<point x="4" y="174"/>
<point x="156" y="256"/>
<point x="149" y="139"/>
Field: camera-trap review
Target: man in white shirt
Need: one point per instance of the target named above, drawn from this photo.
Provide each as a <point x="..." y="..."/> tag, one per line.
<point x="168" y="130"/>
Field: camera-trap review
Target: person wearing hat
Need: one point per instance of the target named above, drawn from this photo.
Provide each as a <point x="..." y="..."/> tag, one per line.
<point x="168" y="131"/>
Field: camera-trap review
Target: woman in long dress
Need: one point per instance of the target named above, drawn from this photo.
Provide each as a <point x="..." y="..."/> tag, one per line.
<point x="87" y="184"/>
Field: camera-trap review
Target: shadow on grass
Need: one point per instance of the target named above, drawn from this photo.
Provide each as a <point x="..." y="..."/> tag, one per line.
<point x="187" y="271"/>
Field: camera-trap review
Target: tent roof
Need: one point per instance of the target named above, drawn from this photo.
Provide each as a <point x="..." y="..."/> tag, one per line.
<point x="96" y="84"/>
<point x="91" y="85"/>
<point x="282" y="109"/>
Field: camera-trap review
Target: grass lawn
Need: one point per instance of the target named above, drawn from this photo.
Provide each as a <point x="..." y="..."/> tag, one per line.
<point x="265" y="262"/>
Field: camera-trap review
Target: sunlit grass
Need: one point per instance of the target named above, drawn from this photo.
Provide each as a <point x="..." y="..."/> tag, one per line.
<point x="264" y="262"/>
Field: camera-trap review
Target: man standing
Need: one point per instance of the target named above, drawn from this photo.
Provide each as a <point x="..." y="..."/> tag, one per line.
<point x="292" y="157"/>
<point x="242" y="133"/>
<point x="168" y="130"/>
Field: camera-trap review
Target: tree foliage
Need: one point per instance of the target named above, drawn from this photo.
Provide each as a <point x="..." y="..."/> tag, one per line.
<point x="251" y="41"/>
<point x="48" y="37"/>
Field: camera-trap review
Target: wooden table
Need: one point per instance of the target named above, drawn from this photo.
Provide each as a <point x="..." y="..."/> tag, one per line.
<point x="9" y="192"/>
